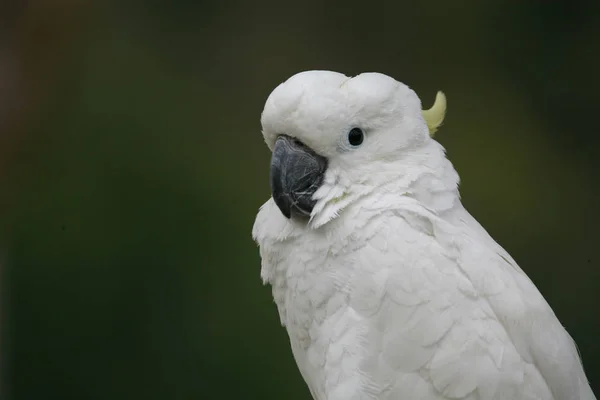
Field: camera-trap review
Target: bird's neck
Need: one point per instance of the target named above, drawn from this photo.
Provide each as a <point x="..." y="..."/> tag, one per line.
<point x="430" y="178"/>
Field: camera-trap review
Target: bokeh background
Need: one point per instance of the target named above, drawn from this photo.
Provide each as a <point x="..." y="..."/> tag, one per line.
<point x="132" y="167"/>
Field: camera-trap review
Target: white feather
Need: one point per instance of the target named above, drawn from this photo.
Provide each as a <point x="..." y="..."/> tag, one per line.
<point x="397" y="292"/>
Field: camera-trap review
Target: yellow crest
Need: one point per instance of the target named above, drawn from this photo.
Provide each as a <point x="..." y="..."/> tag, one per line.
<point x="435" y="115"/>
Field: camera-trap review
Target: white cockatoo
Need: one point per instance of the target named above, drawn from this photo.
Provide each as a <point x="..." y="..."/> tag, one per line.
<point x="388" y="287"/>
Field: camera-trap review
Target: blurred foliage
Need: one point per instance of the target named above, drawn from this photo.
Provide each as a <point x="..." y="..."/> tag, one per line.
<point x="132" y="168"/>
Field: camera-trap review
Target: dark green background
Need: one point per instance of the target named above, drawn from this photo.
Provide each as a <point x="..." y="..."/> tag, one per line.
<point x="132" y="167"/>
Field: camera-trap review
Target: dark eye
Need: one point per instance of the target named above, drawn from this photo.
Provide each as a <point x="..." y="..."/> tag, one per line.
<point x="356" y="137"/>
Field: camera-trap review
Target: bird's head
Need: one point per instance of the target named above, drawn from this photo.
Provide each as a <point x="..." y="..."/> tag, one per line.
<point x="334" y="138"/>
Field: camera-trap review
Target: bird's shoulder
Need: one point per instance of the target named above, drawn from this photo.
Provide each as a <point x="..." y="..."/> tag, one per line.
<point x="448" y="310"/>
<point x="432" y="332"/>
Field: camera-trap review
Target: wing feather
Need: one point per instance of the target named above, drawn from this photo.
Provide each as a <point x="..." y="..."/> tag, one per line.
<point x="453" y="319"/>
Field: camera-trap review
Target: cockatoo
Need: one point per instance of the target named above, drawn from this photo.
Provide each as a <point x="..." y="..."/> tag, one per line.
<point x="387" y="286"/>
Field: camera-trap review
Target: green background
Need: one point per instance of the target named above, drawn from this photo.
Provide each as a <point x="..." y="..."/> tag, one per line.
<point x="132" y="167"/>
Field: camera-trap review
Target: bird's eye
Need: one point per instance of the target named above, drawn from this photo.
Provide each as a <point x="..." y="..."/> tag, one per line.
<point x="356" y="137"/>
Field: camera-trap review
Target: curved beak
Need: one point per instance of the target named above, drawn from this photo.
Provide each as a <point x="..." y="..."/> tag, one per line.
<point x="296" y="174"/>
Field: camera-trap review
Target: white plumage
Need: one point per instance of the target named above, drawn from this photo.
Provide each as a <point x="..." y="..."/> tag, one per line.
<point x="392" y="290"/>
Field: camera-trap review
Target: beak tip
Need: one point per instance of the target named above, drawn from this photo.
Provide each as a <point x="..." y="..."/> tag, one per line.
<point x="282" y="202"/>
<point x="286" y="213"/>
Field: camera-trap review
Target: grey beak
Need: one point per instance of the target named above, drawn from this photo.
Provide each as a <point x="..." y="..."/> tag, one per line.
<point x="296" y="174"/>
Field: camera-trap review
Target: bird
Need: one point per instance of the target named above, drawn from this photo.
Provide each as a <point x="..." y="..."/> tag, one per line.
<point x="387" y="286"/>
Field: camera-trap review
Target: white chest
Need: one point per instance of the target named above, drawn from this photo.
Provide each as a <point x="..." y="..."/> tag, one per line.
<point x="313" y="298"/>
<point x="312" y="285"/>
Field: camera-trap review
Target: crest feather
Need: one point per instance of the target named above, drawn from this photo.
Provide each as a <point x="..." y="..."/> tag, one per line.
<point x="435" y="115"/>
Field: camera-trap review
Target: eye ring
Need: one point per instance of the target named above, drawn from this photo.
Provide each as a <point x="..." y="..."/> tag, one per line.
<point x="356" y="137"/>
